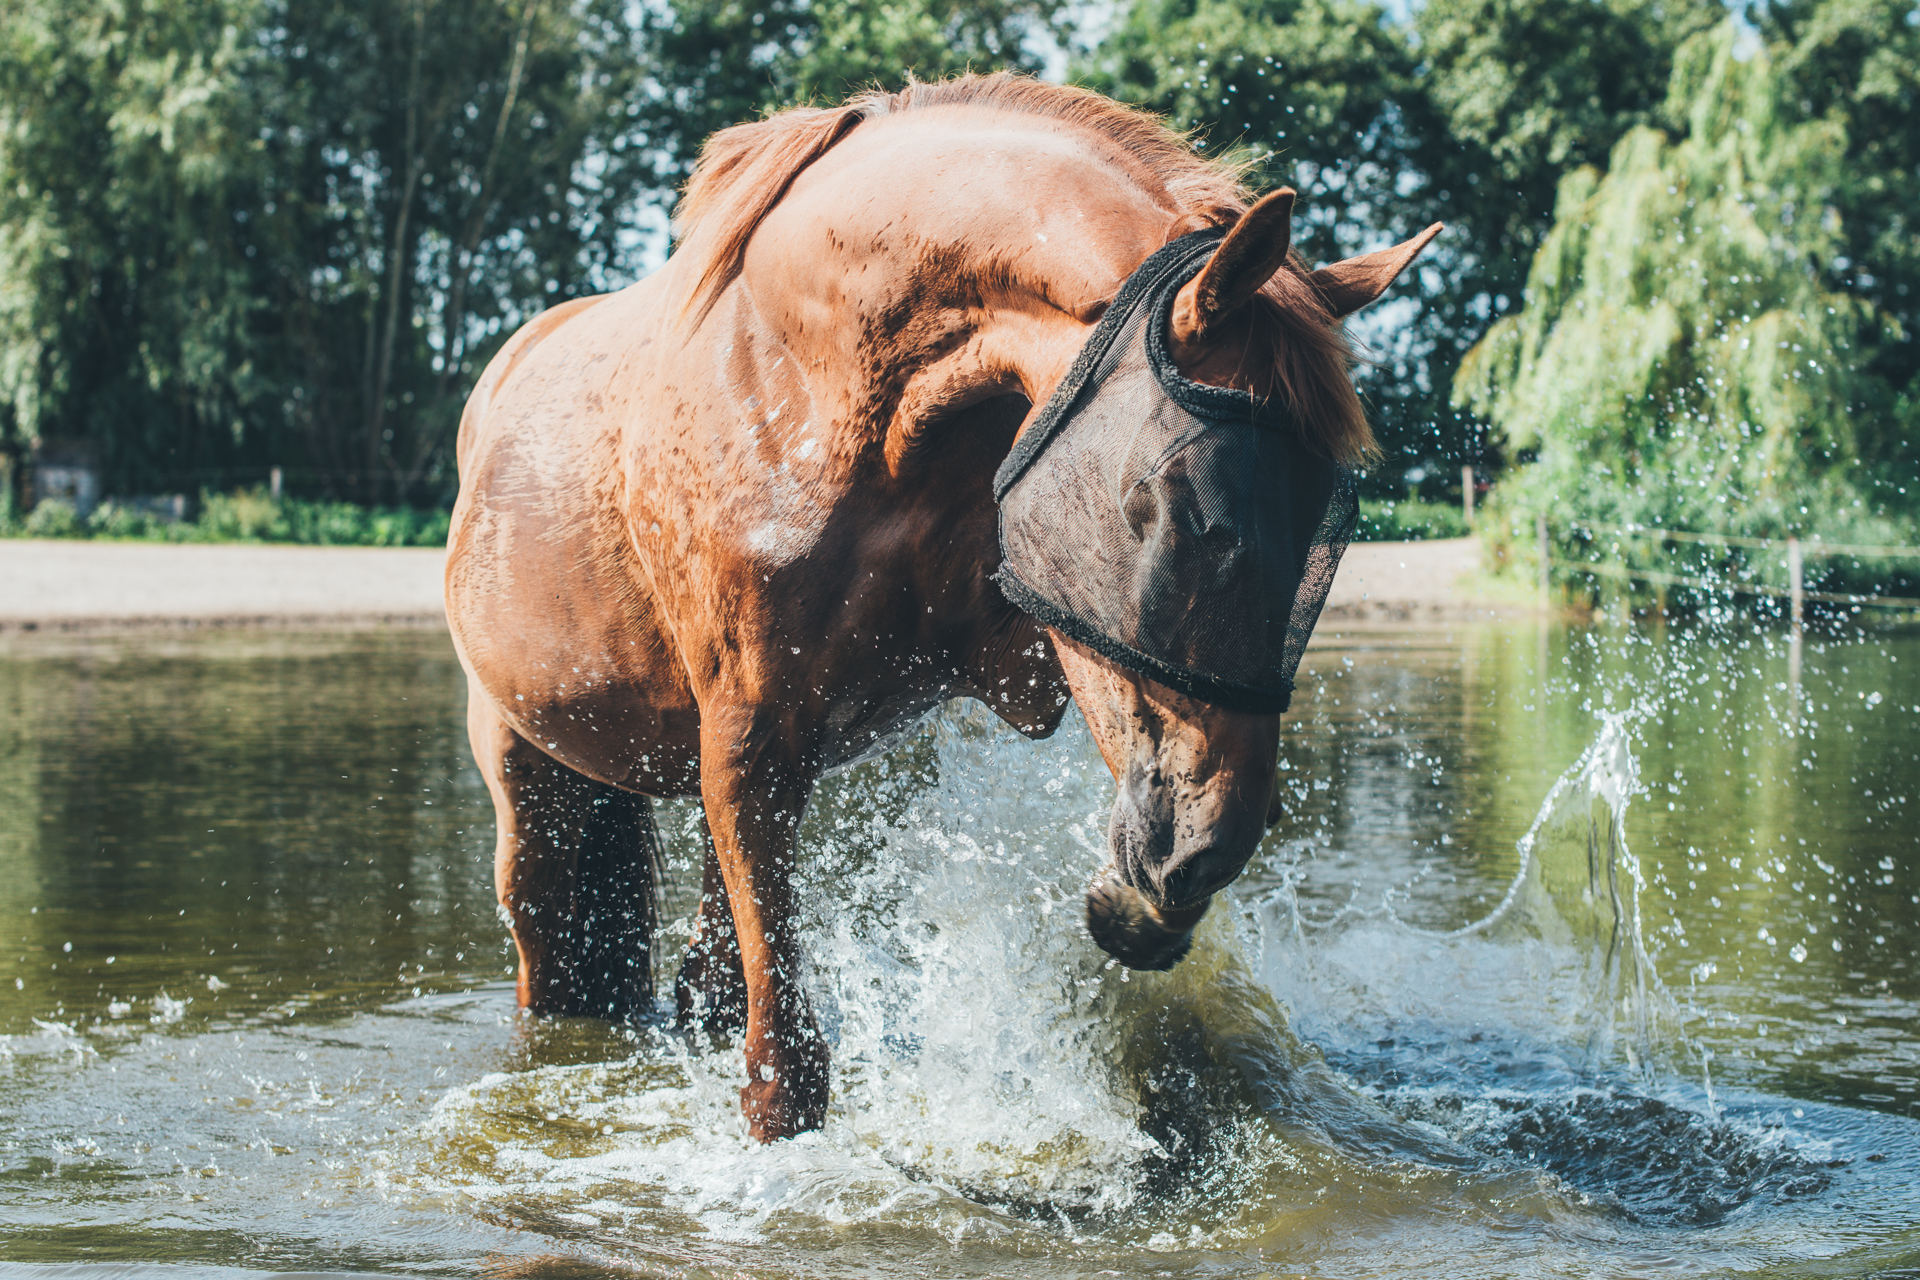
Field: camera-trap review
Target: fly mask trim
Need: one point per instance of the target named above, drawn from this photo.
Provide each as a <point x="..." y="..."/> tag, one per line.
<point x="1181" y="530"/>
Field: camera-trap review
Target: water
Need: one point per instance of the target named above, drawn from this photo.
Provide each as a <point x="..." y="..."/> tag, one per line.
<point x="1578" y="953"/>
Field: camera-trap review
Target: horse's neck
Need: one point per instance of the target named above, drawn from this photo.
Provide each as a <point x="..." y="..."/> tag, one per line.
<point x="903" y="283"/>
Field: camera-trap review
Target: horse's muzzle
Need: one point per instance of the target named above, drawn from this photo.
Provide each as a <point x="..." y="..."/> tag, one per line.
<point x="1134" y="931"/>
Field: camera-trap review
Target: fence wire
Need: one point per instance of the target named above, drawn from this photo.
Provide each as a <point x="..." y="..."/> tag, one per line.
<point x="1812" y="547"/>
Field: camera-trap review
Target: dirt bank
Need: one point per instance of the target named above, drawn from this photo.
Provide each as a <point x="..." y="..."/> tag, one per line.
<point x="76" y="586"/>
<point x="1411" y="582"/>
<point x="73" y="586"/>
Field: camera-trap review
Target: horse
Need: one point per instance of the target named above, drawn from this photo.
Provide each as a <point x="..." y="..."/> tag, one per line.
<point x="735" y="525"/>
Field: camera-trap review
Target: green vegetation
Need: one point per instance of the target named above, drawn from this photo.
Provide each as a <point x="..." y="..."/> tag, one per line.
<point x="720" y="62"/>
<point x="1409" y="520"/>
<point x="248" y="515"/>
<point x="1691" y="355"/>
<point x="1469" y="116"/>
<point x="237" y="234"/>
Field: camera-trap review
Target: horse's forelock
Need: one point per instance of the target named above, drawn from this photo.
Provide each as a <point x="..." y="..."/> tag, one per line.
<point x="744" y="171"/>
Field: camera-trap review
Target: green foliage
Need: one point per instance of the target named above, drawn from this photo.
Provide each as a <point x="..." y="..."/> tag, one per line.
<point x="1409" y="520"/>
<point x="1681" y="362"/>
<point x="238" y="232"/>
<point x="54" y="518"/>
<point x="721" y="62"/>
<point x="245" y="515"/>
<point x="244" y="233"/>
<point x="1521" y="91"/>
<point x="249" y="515"/>
<point x="1468" y="116"/>
<point x="121" y="521"/>
<point x="1853" y="66"/>
<point x="343" y="524"/>
<point x="124" y="309"/>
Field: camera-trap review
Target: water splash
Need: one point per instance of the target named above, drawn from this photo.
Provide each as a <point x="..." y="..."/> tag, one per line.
<point x="1541" y="1030"/>
<point x="1561" y="960"/>
<point x="997" y="1080"/>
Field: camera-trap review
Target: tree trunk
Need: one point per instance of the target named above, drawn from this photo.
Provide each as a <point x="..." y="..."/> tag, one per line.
<point x="484" y="203"/>
<point x="398" y="257"/>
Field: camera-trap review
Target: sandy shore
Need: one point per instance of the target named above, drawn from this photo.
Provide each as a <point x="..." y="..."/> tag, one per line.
<point x="1413" y="582"/>
<point x="78" y="586"/>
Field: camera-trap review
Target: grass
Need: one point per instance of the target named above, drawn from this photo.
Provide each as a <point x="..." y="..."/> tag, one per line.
<point x="250" y="515"/>
<point x="247" y="515"/>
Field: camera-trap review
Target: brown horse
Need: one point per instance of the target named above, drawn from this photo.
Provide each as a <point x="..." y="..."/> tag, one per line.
<point x="735" y="525"/>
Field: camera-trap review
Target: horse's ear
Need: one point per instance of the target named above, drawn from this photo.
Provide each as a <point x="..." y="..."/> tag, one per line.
<point x="1350" y="285"/>
<point x="1255" y="249"/>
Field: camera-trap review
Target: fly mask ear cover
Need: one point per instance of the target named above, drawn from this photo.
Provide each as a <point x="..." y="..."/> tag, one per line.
<point x="1181" y="530"/>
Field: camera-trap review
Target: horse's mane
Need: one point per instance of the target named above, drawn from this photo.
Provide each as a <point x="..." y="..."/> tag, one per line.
<point x="746" y="170"/>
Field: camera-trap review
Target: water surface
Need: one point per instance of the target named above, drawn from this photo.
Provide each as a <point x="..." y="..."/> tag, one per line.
<point x="1584" y="952"/>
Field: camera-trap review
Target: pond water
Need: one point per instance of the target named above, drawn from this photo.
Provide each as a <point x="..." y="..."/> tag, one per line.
<point x="1579" y="952"/>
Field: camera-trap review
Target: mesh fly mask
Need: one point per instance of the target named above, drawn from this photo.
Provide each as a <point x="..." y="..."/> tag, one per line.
<point x="1181" y="530"/>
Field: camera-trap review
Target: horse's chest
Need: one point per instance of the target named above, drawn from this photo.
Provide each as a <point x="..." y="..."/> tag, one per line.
<point x="860" y="731"/>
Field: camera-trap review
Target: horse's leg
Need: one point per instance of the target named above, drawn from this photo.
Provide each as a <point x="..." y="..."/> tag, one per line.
<point x="711" y="991"/>
<point x="616" y="892"/>
<point x="576" y="869"/>
<point x="755" y="788"/>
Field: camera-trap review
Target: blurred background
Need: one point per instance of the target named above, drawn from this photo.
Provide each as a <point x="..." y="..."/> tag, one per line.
<point x="254" y="252"/>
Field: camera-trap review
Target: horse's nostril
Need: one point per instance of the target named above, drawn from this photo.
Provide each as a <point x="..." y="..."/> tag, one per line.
<point x="1196" y="879"/>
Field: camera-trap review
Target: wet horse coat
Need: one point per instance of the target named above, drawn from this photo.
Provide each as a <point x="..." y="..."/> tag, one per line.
<point x="735" y="525"/>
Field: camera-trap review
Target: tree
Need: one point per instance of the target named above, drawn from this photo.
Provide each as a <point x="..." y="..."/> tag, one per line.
<point x="444" y="169"/>
<point x="1468" y="116"/>
<point x="1682" y="360"/>
<point x="1855" y="66"/>
<point x="242" y="232"/>
<point x="127" y="310"/>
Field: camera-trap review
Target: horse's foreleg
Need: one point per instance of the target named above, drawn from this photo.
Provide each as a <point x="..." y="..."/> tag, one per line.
<point x="755" y="788"/>
<point x="575" y="868"/>
<point x="711" y="991"/>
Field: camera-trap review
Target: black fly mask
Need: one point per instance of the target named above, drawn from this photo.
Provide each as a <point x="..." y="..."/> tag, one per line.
<point x="1181" y="530"/>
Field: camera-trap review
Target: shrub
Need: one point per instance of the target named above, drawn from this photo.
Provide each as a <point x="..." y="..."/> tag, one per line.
<point x="54" y="518"/>
<point x="1681" y="361"/>
<point x="1409" y="520"/>
<point x="245" y="515"/>
<point x="121" y="520"/>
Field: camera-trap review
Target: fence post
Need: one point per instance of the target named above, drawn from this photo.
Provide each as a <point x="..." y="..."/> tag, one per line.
<point x="1796" y="586"/>
<point x="1796" y="582"/>
<point x="1466" y="493"/>
<point x="273" y="484"/>
<point x="1546" y="564"/>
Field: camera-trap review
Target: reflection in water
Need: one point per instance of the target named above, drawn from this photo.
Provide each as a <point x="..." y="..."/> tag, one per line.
<point x="227" y="825"/>
<point x="1562" y="956"/>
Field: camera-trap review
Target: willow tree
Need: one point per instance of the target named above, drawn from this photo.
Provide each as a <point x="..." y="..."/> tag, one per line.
<point x="1680" y="360"/>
